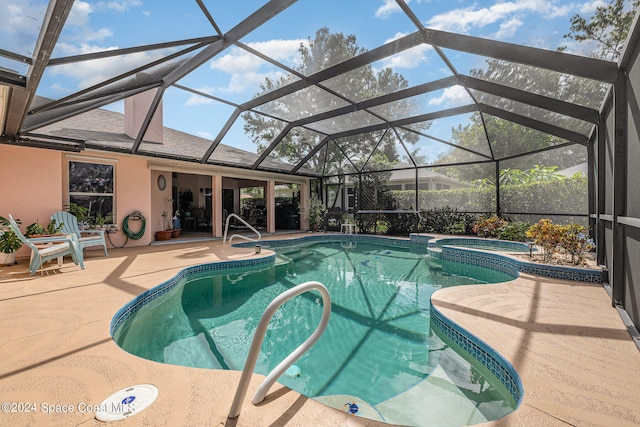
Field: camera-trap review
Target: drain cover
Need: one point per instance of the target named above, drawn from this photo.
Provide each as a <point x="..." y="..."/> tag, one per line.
<point x="293" y="371"/>
<point x="127" y="402"/>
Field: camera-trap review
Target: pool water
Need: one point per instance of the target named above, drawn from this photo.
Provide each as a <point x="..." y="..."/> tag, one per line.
<point x="484" y="244"/>
<point x="378" y="345"/>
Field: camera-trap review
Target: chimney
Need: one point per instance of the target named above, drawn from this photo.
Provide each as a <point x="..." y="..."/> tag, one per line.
<point x="135" y="112"/>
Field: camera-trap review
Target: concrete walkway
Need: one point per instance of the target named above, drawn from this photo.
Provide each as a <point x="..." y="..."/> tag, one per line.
<point x="578" y="364"/>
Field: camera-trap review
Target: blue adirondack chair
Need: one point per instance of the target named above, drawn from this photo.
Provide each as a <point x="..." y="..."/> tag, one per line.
<point x="48" y="248"/>
<point x="70" y="226"/>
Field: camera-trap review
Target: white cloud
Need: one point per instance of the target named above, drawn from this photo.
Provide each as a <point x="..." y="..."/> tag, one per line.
<point x="200" y="100"/>
<point x="204" y="134"/>
<point x="388" y="8"/>
<point x="240" y="61"/>
<point x="508" y="28"/>
<point x="89" y="73"/>
<point x="589" y="8"/>
<point x="118" y="6"/>
<point x="410" y="58"/>
<point x="57" y="87"/>
<point x="461" y="20"/>
<point x="80" y="19"/>
<point x="561" y="11"/>
<point x="509" y="15"/>
<point x="123" y="6"/>
<point x="247" y="71"/>
<point x="20" y="24"/>
<point x="80" y="14"/>
<point x="407" y="59"/>
<point x="452" y="97"/>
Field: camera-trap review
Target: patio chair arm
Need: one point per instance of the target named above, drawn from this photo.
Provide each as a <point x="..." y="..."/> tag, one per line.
<point x="51" y="239"/>
<point x="92" y="231"/>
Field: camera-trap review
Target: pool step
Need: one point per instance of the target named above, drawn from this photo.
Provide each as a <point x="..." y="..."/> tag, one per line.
<point x="437" y="392"/>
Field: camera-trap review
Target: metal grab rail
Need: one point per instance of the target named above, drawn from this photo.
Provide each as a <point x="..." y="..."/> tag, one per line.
<point x="256" y="344"/>
<point x="226" y="228"/>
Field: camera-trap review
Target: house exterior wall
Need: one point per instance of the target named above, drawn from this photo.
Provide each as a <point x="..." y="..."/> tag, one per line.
<point x="32" y="185"/>
<point x="38" y="186"/>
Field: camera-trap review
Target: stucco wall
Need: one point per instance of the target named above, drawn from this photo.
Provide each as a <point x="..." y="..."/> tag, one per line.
<point x="34" y="186"/>
<point x="31" y="185"/>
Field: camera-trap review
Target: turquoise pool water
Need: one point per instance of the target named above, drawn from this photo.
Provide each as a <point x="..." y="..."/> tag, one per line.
<point x="378" y="345"/>
<point x="484" y="244"/>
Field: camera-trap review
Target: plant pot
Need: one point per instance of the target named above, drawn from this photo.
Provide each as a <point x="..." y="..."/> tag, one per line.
<point x="7" y="259"/>
<point x="175" y="232"/>
<point x="163" y="235"/>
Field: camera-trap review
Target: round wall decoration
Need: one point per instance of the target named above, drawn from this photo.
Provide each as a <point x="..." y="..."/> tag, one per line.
<point x="162" y="182"/>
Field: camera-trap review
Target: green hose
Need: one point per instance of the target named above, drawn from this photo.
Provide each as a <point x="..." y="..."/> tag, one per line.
<point x="135" y="216"/>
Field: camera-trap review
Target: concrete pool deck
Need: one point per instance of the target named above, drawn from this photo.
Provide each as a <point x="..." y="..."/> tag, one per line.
<point x="577" y="362"/>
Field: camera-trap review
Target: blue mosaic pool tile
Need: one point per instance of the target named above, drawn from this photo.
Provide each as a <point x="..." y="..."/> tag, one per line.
<point x="515" y="266"/>
<point x="440" y="249"/>
<point x="483" y="353"/>
<point x="420" y="238"/>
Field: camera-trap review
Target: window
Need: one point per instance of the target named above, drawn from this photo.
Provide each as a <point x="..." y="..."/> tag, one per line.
<point x="351" y="200"/>
<point x="91" y="186"/>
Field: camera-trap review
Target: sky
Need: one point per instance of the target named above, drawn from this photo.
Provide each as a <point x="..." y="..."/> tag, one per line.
<point x="235" y="75"/>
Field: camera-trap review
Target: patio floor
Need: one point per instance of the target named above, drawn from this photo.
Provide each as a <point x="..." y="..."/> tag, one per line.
<point x="578" y="363"/>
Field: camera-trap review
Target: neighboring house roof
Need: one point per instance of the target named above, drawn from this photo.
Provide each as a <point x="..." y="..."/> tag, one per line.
<point x="410" y="175"/>
<point x="582" y="168"/>
<point x="103" y="129"/>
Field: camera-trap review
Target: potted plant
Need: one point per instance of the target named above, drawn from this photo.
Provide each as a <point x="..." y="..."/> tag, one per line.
<point x="175" y="225"/>
<point x="80" y="212"/>
<point x="98" y="222"/>
<point x="317" y="214"/>
<point x="38" y="230"/>
<point x="165" y="233"/>
<point x="9" y="243"/>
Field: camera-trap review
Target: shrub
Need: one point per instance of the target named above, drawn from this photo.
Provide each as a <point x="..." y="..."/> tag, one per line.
<point x="460" y="227"/>
<point x="402" y="224"/>
<point x="547" y="235"/>
<point x="445" y="220"/>
<point x="317" y="213"/>
<point x="575" y="242"/>
<point x="515" y="231"/>
<point x="489" y="226"/>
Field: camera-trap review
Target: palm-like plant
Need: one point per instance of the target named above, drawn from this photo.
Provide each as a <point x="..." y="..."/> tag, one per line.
<point x="9" y="241"/>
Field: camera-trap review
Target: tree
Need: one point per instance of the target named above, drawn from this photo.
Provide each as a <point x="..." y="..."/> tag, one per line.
<point x="507" y="139"/>
<point x="608" y="27"/>
<point x="325" y="50"/>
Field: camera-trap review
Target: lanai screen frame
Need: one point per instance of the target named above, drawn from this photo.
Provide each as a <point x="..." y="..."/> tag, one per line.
<point x="24" y="118"/>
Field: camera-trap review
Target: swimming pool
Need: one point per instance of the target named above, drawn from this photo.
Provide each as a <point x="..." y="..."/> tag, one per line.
<point x="379" y="351"/>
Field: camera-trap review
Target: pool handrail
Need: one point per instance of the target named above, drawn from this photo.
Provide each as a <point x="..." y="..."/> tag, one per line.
<point x="226" y="228"/>
<point x="258" y="338"/>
